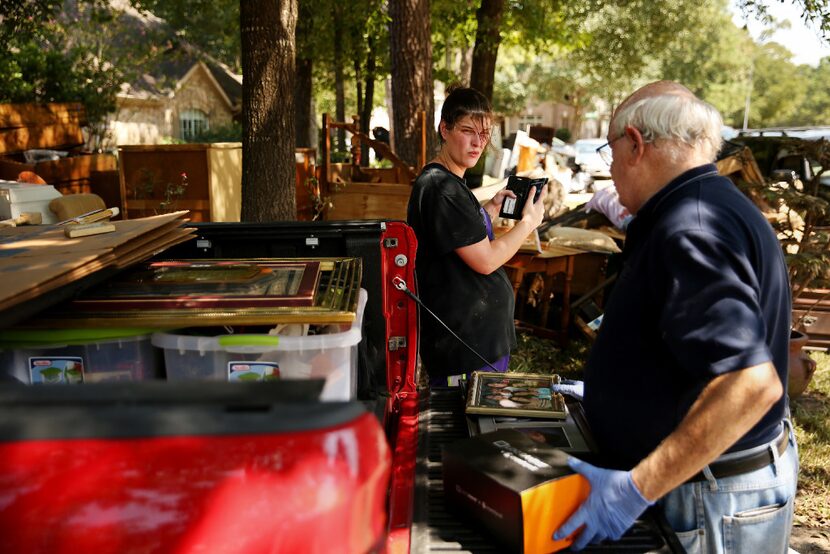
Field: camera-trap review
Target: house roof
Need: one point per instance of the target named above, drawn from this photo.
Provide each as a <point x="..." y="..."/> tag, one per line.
<point x="175" y="58"/>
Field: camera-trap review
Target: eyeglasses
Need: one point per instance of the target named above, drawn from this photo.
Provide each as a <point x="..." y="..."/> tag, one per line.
<point x="470" y="133"/>
<point x="605" y="151"/>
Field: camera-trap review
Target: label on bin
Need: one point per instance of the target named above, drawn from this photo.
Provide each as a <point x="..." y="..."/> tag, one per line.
<point x="253" y="371"/>
<point x="63" y="370"/>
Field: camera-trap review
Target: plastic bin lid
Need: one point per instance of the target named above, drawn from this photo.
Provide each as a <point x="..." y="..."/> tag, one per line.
<point x="10" y="338"/>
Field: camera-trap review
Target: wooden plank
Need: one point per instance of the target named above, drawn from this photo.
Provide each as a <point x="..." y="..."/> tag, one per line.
<point x="70" y="168"/>
<point x="58" y="136"/>
<point x="34" y="115"/>
<point x="155" y="148"/>
<point x="180" y="204"/>
<point x="369" y="201"/>
<point x="40" y="126"/>
<point x="38" y="259"/>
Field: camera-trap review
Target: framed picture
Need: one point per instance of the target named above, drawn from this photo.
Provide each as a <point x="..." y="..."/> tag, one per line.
<point x="210" y="284"/>
<point x="187" y="293"/>
<point x="515" y="394"/>
<point x="564" y="434"/>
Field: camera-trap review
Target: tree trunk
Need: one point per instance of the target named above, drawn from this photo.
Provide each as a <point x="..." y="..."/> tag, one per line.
<point x="486" y="49"/>
<point x="465" y="65"/>
<point x="362" y="151"/>
<point x="411" y="58"/>
<point x="339" y="91"/>
<point x="268" y="167"/>
<point x="369" y="98"/>
<point x="303" y="94"/>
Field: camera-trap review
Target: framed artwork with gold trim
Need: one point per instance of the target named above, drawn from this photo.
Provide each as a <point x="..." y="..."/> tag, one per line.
<point x="186" y="293"/>
<point x="515" y="394"/>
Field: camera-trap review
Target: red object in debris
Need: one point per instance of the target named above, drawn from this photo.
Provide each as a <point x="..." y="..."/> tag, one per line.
<point x="311" y="491"/>
<point x="30" y="177"/>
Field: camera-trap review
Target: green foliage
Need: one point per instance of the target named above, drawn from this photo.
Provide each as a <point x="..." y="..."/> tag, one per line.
<point x="70" y="55"/>
<point x="709" y="55"/>
<point x="777" y="88"/>
<point x="364" y="25"/>
<point x="563" y="134"/>
<point x="212" y="25"/>
<point x="815" y="108"/>
<point x="23" y="18"/>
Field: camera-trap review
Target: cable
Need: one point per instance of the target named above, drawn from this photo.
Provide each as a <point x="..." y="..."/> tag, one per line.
<point x="400" y="284"/>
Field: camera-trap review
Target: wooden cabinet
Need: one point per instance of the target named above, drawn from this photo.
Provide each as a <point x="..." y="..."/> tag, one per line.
<point x="203" y="178"/>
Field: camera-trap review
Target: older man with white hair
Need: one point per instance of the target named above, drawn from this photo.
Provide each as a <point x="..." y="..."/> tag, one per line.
<point x="685" y="386"/>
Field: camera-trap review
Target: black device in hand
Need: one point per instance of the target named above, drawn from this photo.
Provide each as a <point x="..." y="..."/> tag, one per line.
<point x="512" y="207"/>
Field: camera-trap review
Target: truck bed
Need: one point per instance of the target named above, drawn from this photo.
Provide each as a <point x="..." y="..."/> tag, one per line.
<point x="435" y="529"/>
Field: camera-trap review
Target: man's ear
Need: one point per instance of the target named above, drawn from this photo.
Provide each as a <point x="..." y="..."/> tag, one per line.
<point x="637" y="142"/>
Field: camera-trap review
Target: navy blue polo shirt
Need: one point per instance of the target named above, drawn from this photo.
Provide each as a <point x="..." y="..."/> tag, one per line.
<point x="703" y="291"/>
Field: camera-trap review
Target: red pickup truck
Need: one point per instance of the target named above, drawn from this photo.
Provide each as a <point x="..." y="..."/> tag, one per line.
<point x="250" y="467"/>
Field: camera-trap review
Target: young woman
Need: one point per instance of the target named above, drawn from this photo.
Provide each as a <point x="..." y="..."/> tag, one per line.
<point x="458" y="263"/>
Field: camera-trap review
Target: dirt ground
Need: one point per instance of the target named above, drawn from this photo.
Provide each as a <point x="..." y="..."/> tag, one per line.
<point x="810" y="540"/>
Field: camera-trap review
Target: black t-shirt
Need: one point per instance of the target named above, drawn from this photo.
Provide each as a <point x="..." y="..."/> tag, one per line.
<point x="479" y="308"/>
<point x="703" y="291"/>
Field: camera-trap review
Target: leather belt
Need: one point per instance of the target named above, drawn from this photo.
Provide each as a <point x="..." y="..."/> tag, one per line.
<point x="751" y="462"/>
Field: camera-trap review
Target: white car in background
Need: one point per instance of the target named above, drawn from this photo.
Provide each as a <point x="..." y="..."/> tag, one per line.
<point x="588" y="160"/>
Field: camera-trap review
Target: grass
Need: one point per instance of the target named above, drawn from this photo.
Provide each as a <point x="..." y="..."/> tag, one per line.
<point x="811" y="417"/>
<point x="538" y="355"/>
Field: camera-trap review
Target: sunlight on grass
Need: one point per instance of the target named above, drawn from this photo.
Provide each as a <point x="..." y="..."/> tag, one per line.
<point x="538" y="355"/>
<point x="811" y="416"/>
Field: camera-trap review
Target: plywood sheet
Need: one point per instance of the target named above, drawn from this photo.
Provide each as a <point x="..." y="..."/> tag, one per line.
<point x="37" y="259"/>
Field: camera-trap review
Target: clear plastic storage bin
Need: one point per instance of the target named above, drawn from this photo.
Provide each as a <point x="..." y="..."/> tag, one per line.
<point x="77" y="356"/>
<point x="252" y="357"/>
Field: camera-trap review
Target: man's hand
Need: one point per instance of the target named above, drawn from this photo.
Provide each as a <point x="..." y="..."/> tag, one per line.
<point x="576" y="389"/>
<point x="613" y="506"/>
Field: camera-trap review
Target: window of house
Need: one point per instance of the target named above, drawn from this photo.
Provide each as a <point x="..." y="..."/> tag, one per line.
<point x="192" y="123"/>
<point x="526" y="120"/>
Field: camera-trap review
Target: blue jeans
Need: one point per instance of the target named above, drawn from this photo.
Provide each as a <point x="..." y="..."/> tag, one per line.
<point x="750" y="513"/>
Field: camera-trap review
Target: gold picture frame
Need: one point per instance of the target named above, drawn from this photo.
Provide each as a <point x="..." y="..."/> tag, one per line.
<point x="515" y="394"/>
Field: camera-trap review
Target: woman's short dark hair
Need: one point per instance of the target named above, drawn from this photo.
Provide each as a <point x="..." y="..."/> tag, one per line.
<point x="462" y="102"/>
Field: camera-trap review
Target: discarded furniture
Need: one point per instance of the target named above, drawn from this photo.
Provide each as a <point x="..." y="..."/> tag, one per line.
<point x="203" y="178"/>
<point x="309" y="200"/>
<point x="355" y="192"/>
<point x="48" y="139"/>
<point x="560" y="274"/>
<point x="811" y="315"/>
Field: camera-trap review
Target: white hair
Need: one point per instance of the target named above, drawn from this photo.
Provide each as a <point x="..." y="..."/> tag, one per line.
<point x="678" y="122"/>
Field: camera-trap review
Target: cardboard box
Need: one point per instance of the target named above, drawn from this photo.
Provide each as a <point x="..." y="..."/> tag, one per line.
<point x="16" y="198"/>
<point x="520" y="490"/>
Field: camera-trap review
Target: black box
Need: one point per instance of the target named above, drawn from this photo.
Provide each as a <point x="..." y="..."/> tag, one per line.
<point x="512" y="208"/>
<point x="520" y="490"/>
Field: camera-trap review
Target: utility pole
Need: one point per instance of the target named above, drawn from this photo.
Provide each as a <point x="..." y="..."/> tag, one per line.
<point x="748" y="96"/>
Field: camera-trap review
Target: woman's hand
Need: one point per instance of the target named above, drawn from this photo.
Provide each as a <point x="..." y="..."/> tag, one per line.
<point x="534" y="212"/>
<point x="493" y="207"/>
<point x="498" y="199"/>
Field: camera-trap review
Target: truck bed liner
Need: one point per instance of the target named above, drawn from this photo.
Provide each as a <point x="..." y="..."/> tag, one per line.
<point x="436" y="529"/>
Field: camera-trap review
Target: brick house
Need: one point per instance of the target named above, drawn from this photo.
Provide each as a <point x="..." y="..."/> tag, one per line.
<point x="182" y="97"/>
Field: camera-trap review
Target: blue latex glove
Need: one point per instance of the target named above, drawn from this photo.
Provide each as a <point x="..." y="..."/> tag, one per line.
<point x="613" y="505"/>
<point x="575" y="389"/>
